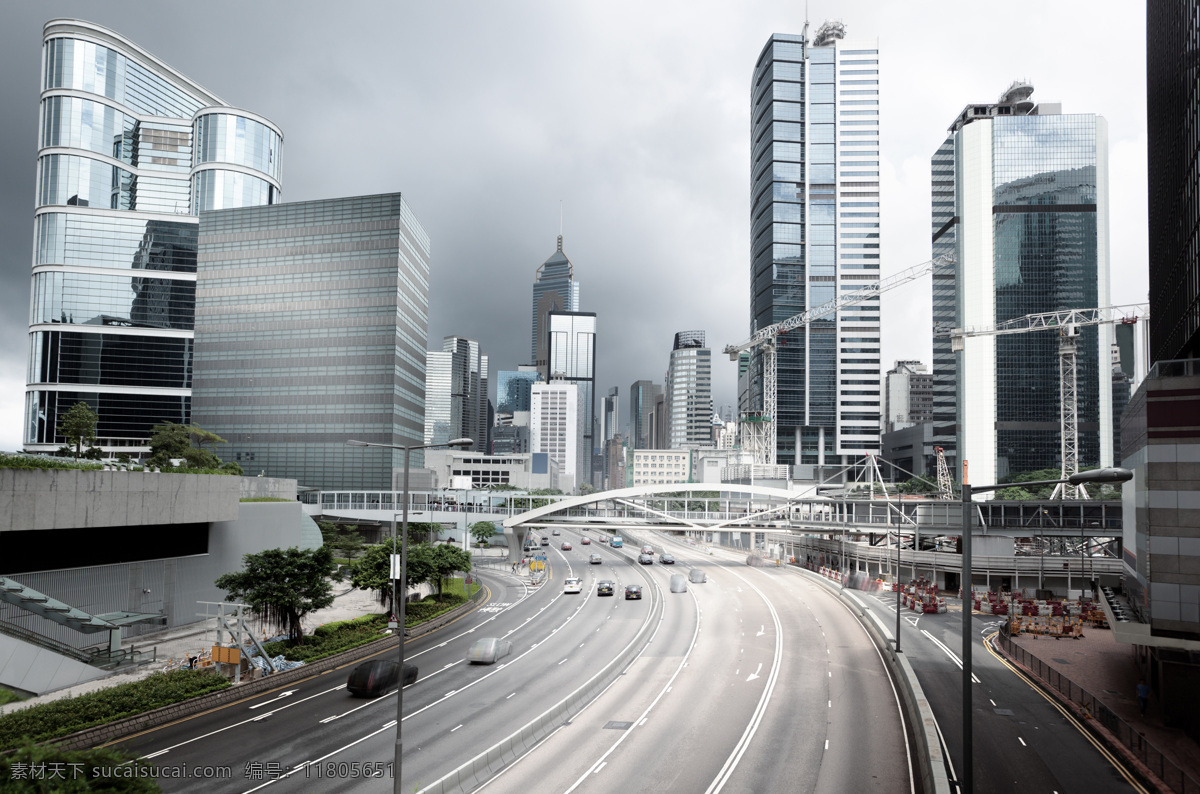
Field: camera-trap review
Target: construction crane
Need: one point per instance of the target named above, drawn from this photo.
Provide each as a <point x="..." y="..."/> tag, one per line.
<point x="945" y="486"/>
<point x="1067" y="322"/>
<point x="758" y="428"/>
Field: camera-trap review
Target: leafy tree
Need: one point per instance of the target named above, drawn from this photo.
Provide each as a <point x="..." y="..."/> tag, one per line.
<point x="421" y="532"/>
<point x="918" y="485"/>
<point x="502" y="486"/>
<point x="446" y="560"/>
<point x="198" y="436"/>
<point x="482" y="531"/>
<point x="372" y="570"/>
<point x="78" y="426"/>
<point x="172" y="441"/>
<point x="282" y="585"/>
<point x="586" y="488"/>
<point x="349" y="542"/>
<point x="329" y="531"/>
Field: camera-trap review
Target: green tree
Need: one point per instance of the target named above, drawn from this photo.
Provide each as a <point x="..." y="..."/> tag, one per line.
<point x="282" y="585"/>
<point x="78" y="426"/>
<point x="172" y="441"/>
<point x="349" y="542"/>
<point x="446" y="560"/>
<point x="372" y="570"/>
<point x="482" y="531"/>
<point x="586" y="488"/>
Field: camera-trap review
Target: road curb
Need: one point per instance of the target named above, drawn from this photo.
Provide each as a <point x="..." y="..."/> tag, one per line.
<point x="126" y="727"/>
<point x="932" y="764"/>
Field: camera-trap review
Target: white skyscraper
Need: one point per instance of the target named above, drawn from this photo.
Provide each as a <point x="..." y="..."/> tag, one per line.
<point x="554" y="427"/>
<point x="689" y="393"/>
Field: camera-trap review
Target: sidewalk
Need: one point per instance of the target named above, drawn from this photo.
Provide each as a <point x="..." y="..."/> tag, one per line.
<point x="1106" y="669"/>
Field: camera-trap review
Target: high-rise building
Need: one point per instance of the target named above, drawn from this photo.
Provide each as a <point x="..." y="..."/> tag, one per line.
<point x="907" y="396"/>
<point x="554" y="428"/>
<point x="641" y="403"/>
<point x="130" y="151"/>
<point x="571" y="357"/>
<point x="456" y="401"/>
<point x="513" y="389"/>
<point x="302" y="344"/>
<point x="554" y="290"/>
<point x="688" y="392"/>
<point x="1021" y="199"/>
<point x="814" y="171"/>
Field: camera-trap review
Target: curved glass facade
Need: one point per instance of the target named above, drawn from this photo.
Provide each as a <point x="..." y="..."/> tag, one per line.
<point x="225" y="138"/>
<point x="130" y="149"/>
<point x="222" y="190"/>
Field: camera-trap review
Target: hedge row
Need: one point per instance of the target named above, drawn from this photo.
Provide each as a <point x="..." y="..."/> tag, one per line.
<point x="23" y="462"/>
<point x="61" y="717"/>
<point x="330" y="639"/>
<point x="38" y="769"/>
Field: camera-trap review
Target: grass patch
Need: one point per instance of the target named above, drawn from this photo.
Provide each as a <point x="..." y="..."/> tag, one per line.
<point x="36" y="769"/>
<point x="265" y="499"/>
<point x="61" y="717"/>
<point x="8" y="696"/>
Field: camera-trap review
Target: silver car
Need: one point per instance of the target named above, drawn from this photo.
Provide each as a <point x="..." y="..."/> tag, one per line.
<point x="488" y="650"/>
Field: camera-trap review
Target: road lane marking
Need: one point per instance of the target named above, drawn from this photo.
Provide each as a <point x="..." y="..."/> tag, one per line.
<point x="953" y="656"/>
<point x="510" y="695"/>
<point x="826" y="744"/>
<point x="562" y="661"/>
<point x="307" y="764"/>
<point x="754" y="675"/>
<point x="602" y="765"/>
<point x="452" y="730"/>
<point x="284" y="694"/>
<point x="1022" y="741"/>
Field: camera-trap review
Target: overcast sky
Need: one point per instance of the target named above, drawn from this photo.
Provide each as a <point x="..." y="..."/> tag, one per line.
<point x="633" y="113"/>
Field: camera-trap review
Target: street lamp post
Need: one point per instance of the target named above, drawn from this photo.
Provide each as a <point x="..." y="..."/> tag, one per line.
<point x="403" y="575"/>
<point x="1111" y="475"/>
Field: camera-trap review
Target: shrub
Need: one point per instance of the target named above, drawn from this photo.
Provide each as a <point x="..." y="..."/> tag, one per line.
<point x="8" y="696"/>
<point x="61" y="717"/>
<point x="29" y="462"/>
<point x="69" y="771"/>
<point x="330" y="639"/>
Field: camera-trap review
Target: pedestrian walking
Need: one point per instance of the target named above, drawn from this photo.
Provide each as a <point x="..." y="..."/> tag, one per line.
<point x="1143" y="695"/>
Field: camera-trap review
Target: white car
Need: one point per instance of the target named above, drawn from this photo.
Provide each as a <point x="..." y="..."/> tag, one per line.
<point x="573" y="585"/>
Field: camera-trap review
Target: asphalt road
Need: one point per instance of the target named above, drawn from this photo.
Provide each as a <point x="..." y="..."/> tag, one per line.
<point x="1023" y="740"/>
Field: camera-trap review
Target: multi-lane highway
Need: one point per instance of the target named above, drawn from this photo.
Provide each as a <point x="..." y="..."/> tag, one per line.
<point x="756" y="680"/>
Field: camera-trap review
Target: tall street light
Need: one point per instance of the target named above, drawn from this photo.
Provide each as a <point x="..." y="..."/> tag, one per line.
<point x="1079" y="478"/>
<point x="403" y="576"/>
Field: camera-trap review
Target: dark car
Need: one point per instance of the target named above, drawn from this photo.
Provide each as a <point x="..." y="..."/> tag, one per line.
<point x="645" y="559"/>
<point x="633" y="591"/>
<point x="604" y="588"/>
<point x="371" y="679"/>
<point x="666" y="559"/>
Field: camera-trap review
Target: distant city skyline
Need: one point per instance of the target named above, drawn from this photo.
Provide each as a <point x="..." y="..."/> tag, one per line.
<point x="648" y="162"/>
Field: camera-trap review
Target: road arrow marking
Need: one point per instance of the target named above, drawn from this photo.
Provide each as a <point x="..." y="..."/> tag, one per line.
<point x="754" y="675"/>
<point x="761" y="631"/>
<point x="280" y="697"/>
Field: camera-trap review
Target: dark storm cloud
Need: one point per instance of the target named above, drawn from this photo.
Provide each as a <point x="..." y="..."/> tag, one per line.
<point x="635" y="115"/>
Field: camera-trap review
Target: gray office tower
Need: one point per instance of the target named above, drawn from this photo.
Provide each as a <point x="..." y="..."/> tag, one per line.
<point x="1020" y="197"/>
<point x="554" y="290"/>
<point x="814" y="235"/>
<point x="642" y="395"/>
<point x="311" y="323"/>
<point x="129" y="152"/>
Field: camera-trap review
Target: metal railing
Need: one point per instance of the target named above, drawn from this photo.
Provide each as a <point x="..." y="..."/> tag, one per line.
<point x="1162" y="767"/>
<point x="98" y="656"/>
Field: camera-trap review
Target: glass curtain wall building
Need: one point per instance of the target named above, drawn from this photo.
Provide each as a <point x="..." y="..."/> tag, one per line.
<point x="571" y="346"/>
<point x="814" y="235"/>
<point x="311" y="323"/>
<point x="554" y="289"/>
<point x="1029" y="228"/>
<point x="642" y="394"/>
<point x="689" y="393"/>
<point x="129" y="152"/>
<point x="456" y="403"/>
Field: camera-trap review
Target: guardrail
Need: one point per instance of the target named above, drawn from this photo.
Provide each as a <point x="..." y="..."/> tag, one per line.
<point x="491" y="761"/>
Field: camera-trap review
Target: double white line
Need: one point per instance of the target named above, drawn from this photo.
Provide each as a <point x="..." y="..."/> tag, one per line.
<point x="950" y="653"/>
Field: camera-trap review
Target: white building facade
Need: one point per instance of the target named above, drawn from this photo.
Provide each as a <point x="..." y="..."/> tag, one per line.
<point x="554" y="427"/>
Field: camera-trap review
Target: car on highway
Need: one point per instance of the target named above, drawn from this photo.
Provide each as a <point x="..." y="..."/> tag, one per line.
<point x="678" y="583"/>
<point x="604" y="588"/>
<point x="371" y="679"/>
<point x="573" y="585"/>
<point x="666" y="559"/>
<point x="566" y="546"/>
<point x="633" y="591"/>
<point x="545" y="541"/>
<point x="645" y="559"/>
<point x="595" y="559"/>
<point x="488" y="650"/>
<point x="648" y="550"/>
<point x="697" y="575"/>
<point x="586" y="541"/>
<point x="555" y="532"/>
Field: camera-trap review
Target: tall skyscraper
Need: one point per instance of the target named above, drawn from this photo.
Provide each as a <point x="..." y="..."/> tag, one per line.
<point x="130" y="151"/>
<point x="641" y="406"/>
<point x="1021" y="198"/>
<point x="301" y="345"/>
<point x="513" y="389"/>
<point x="554" y="428"/>
<point x="689" y="393"/>
<point x="571" y="357"/>
<point x="814" y="171"/>
<point x="456" y="401"/>
<point x="1173" y="129"/>
<point x="554" y="290"/>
